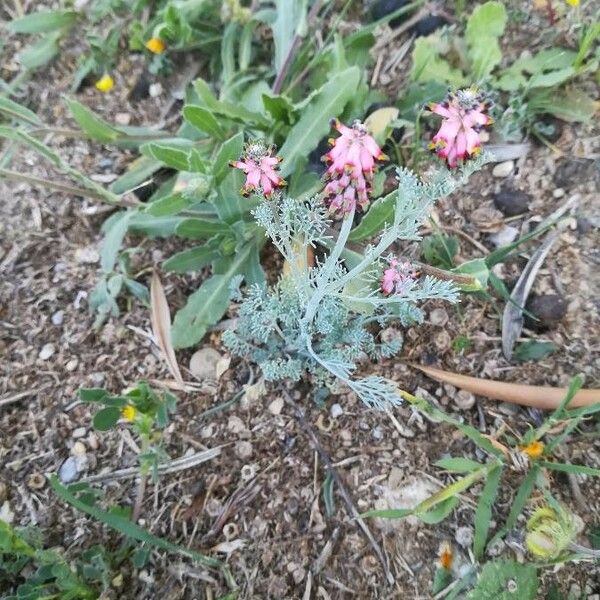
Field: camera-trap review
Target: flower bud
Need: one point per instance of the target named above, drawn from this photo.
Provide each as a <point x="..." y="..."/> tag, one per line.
<point x="549" y="532"/>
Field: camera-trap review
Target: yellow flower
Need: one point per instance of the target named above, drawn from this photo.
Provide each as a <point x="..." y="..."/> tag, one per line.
<point x="128" y="412"/>
<point x="105" y="83"/>
<point x="534" y="450"/>
<point x="156" y="45"/>
<point x="573" y="2"/>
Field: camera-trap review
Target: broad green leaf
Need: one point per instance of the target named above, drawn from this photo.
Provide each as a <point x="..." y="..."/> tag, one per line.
<point x="177" y="155"/>
<point x="314" y="123"/>
<point x="229" y="203"/>
<point x="154" y="226"/>
<point x="360" y="286"/>
<point x="483" y="514"/>
<point x="208" y="303"/>
<point x="191" y="260"/>
<point x="16" y="111"/>
<point x="113" y="239"/>
<point x="477" y="269"/>
<point x="458" y="464"/>
<point x="169" y="205"/>
<point x="533" y="350"/>
<point x="280" y="108"/>
<point x="506" y="580"/>
<point x="572" y="105"/>
<point x="138" y="290"/>
<point x="138" y="172"/>
<point x="380" y="122"/>
<point x="40" y="53"/>
<point x="106" y="418"/>
<point x="198" y="229"/>
<point x="380" y="214"/>
<point x="439" y="250"/>
<point x="91" y="123"/>
<point x="230" y="150"/>
<point x="204" y="120"/>
<point x="439" y="512"/>
<point x="92" y="394"/>
<point x="427" y="64"/>
<point x="485" y="25"/>
<point x="43" y="21"/>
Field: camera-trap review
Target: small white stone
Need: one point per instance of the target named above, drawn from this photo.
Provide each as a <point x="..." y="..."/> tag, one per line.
<point x="235" y="424"/>
<point x="46" y="352"/>
<point x="464" y="536"/>
<point x="505" y="236"/>
<point x="336" y="411"/>
<point x="123" y="118"/>
<point x="6" y="513"/>
<point x="155" y="90"/>
<point x="438" y="316"/>
<point x="243" y="450"/>
<point x="87" y="255"/>
<point x="79" y="432"/>
<point x="208" y="431"/>
<point x="58" y="317"/>
<point x="78" y="449"/>
<point x="69" y="471"/>
<point x="558" y="193"/>
<point x="503" y="169"/>
<point x="203" y="364"/>
<point x="72" y="364"/>
<point x="377" y="433"/>
<point x="464" y="400"/>
<point x="276" y="406"/>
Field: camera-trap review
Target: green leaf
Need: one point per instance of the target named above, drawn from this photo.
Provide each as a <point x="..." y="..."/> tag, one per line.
<point x="39" y="53"/>
<point x="533" y="350"/>
<point x="137" y="290"/>
<point x="208" y="303"/>
<point x="199" y="229"/>
<point x="572" y="105"/>
<point x="290" y="19"/>
<point x="204" y="120"/>
<point x="568" y="468"/>
<point x="106" y="418"/>
<point x="280" y="108"/>
<point x="230" y="150"/>
<point x="138" y="171"/>
<point x="16" y="111"/>
<point x="439" y="250"/>
<point x="92" y="394"/>
<point x="440" y="512"/>
<point x="477" y="269"/>
<point x="390" y="513"/>
<point x="177" y="155"/>
<point x="191" y="260"/>
<point x="427" y="64"/>
<point x="483" y="514"/>
<point x="91" y="123"/>
<point x="169" y="205"/>
<point x="113" y="240"/>
<point x="506" y="580"/>
<point x="229" y="203"/>
<point x="458" y="464"/>
<point x="380" y="214"/>
<point x="314" y="124"/>
<point x="43" y="21"/>
<point x="485" y="25"/>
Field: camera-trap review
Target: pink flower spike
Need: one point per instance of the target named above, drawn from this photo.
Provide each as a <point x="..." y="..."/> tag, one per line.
<point x="352" y="162"/>
<point x="398" y="278"/>
<point x="464" y="115"/>
<point x="260" y="169"/>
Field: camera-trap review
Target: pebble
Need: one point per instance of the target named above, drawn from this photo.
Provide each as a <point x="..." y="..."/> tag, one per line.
<point x="346" y="437"/>
<point x="382" y="8"/>
<point x="442" y="340"/>
<point x="79" y="432"/>
<point x="71" y="469"/>
<point x="429" y="24"/>
<point x="243" y="450"/>
<point x="122" y="118"/>
<point x="584" y="225"/>
<point x="464" y="400"/>
<point x="276" y="406"/>
<point x="203" y="364"/>
<point x="336" y="411"/>
<point x="235" y="424"/>
<point x="438" y="316"/>
<point x="78" y="449"/>
<point x="46" y="352"/>
<point x="504" y="237"/>
<point x="98" y="378"/>
<point x="155" y="90"/>
<point x="503" y="169"/>
<point x="464" y="536"/>
<point x="58" y="317"/>
<point x="87" y="255"/>
<point x="208" y="431"/>
<point x="6" y="513"/>
<point x="511" y="202"/>
<point x="558" y="193"/>
<point x="377" y="433"/>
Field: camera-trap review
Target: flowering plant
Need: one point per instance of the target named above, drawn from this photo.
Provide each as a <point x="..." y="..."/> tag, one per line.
<point x="320" y="319"/>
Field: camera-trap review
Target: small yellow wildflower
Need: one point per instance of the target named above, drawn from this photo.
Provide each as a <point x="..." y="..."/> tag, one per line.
<point x="156" y="45"/>
<point x="105" y="83"/>
<point x="128" y="412"/>
<point x="573" y="2"/>
<point x="534" y="450"/>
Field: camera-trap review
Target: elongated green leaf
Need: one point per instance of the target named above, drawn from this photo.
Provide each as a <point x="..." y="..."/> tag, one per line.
<point x="204" y="120"/>
<point x="129" y="529"/>
<point x="169" y="205"/>
<point x="172" y="155"/>
<point x="198" y="229"/>
<point x="439" y="512"/>
<point x="568" y="468"/>
<point x="533" y="350"/>
<point x="229" y="150"/>
<point x="391" y="513"/>
<point x="483" y="514"/>
<point x="458" y="464"/>
<point x="41" y="52"/>
<point x="43" y="21"/>
<point x="208" y="303"/>
<point x="113" y="240"/>
<point x="229" y="203"/>
<point x="380" y="214"/>
<point x="91" y="123"/>
<point x="314" y="123"/>
<point x="479" y="270"/>
<point x="191" y="260"/>
<point x="15" y="111"/>
<point x="139" y="171"/>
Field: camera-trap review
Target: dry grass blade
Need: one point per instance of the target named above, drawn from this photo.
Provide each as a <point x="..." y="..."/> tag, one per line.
<point x="512" y="318"/>
<point x="161" y="327"/>
<point x="538" y="396"/>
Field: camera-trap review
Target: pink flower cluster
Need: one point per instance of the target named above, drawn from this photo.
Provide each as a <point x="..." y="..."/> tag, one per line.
<point x="351" y="167"/>
<point x="398" y="277"/>
<point x="464" y="114"/>
<point x="260" y="168"/>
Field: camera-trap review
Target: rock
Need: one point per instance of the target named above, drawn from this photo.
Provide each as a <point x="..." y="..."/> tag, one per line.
<point x="558" y="193"/>
<point x="512" y="202"/>
<point x="584" y="225"/>
<point x="438" y="317"/>
<point x="395" y="478"/>
<point x="71" y="469"/>
<point x="548" y="308"/>
<point x="336" y="411"/>
<point x="78" y="449"/>
<point x="155" y="90"/>
<point x="203" y="364"/>
<point x="442" y="340"/>
<point x="503" y="169"/>
<point x="377" y="433"/>
<point x="243" y="450"/>
<point x="6" y="513"/>
<point x="464" y="536"/>
<point x="504" y="237"/>
<point x="382" y="8"/>
<point x="208" y="431"/>
<point x="276" y="406"/>
<point x="46" y="352"/>
<point x="79" y="432"/>
<point x="36" y="481"/>
<point x="464" y="400"/>
<point x="222" y="366"/>
<point x="122" y="118"/>
<point x="87" y="255"/>
<point x="428" y="25"/>
<point x="235" y="424"/>
<point x="58" y="318"/>
<point x="72" y="365"/>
